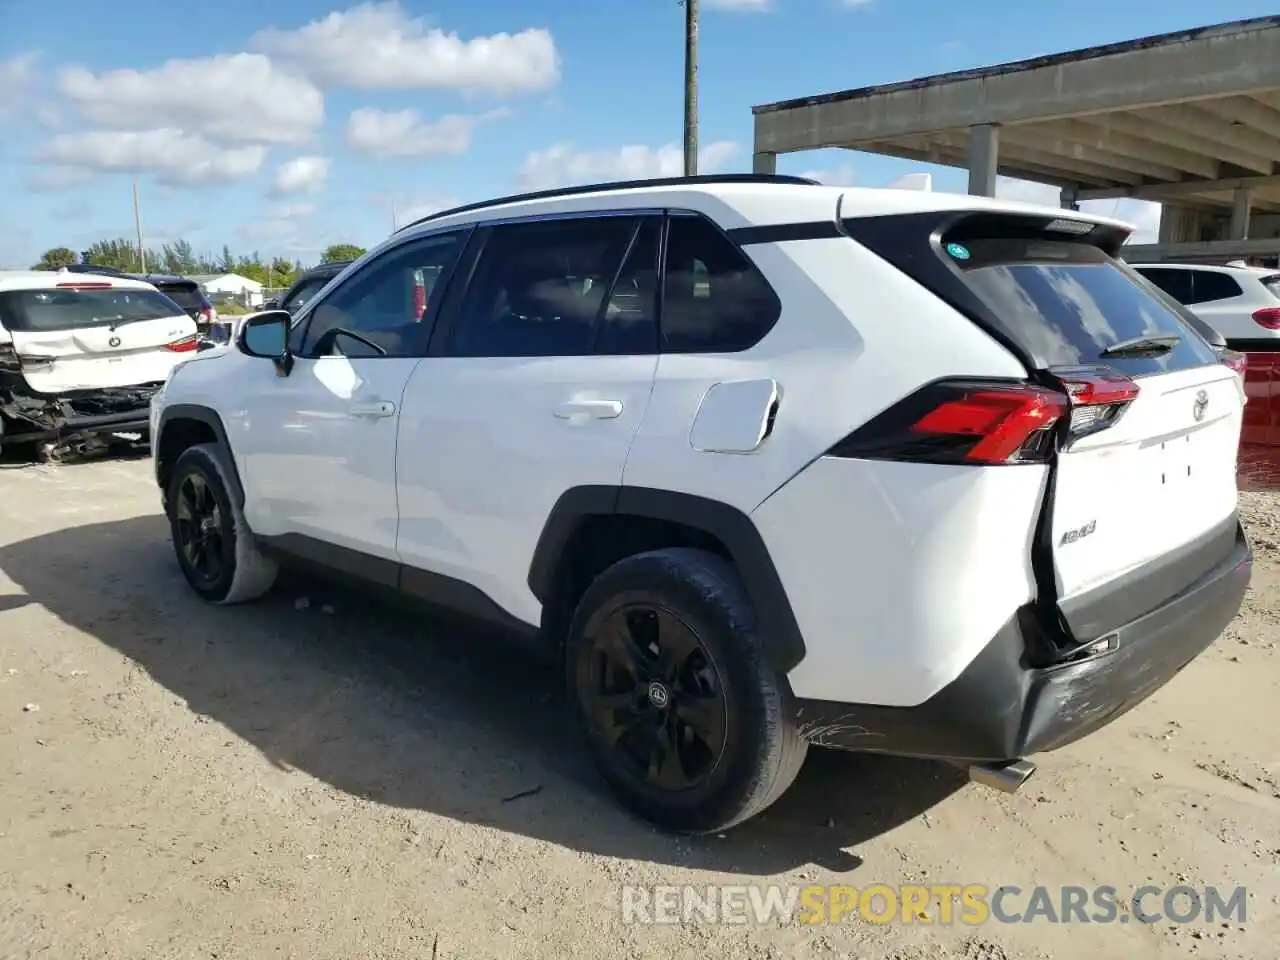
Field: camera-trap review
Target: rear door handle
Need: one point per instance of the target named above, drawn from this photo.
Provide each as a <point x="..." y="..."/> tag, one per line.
<point x="599" y="409"/>
<point x="375" y="409"/>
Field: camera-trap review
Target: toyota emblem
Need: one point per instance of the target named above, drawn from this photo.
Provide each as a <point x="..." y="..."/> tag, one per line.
<point x="1200" y="406"/>
<point x="115" y="342"/>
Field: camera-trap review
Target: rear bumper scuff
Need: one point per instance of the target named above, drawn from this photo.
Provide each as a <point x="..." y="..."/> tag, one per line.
<point x="1001" y="708"/>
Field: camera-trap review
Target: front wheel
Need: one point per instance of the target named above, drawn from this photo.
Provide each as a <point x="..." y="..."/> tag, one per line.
<point x="213" y="543"/>
<point x="688" y="723"/>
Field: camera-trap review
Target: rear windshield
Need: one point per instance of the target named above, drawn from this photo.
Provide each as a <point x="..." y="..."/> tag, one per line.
<point x="1069" y="302"/>
<point x="185" y="295"/>
<point x="304" y="292"/>
<point x="46" y="310"/>
<point x="1272" y="283"/>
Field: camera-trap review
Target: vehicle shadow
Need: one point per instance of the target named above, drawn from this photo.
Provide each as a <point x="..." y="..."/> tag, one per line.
<point x="387" y="704"/>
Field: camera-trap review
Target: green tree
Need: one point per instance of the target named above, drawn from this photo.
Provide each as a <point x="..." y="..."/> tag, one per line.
<point x="226" y="263"/>
<point x="57" y="258"/>
<point x="121" y="254"/>
<point x="341" y="251"/>
<point x="283" y="273"/>
<point x="179" y="258"/>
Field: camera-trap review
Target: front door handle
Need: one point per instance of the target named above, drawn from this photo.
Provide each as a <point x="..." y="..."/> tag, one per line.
<point x="598" y="409"/>
<point x="375" y="409"/>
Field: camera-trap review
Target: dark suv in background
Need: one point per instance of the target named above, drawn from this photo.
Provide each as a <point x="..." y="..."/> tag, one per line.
<point x="306" y="286"/>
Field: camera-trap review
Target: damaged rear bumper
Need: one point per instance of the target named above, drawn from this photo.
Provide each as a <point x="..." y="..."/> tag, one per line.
<point x="29" y="417"/>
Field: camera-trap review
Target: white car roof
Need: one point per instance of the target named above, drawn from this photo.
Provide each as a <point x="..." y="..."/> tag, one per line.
<point x="50" y="279"/>
<point x="1251" y="272"/>
<point x="749" y="204"/>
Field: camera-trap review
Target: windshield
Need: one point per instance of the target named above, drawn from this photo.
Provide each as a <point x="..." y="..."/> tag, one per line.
<point x="49" y="310"/>
<point x="1070" y="302"/>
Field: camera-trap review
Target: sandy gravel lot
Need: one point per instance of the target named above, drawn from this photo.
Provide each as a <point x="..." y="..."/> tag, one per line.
<point x="324" y="780"/>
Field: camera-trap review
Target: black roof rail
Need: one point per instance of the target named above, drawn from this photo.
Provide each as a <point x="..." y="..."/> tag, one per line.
<point x="710" y="178"/>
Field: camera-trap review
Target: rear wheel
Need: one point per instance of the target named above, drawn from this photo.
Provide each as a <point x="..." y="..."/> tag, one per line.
<point x="688" y="723"/>
<point x="213" y="543"/>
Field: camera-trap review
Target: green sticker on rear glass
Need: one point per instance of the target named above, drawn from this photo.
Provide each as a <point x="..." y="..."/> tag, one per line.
<point x="958" y="250"/>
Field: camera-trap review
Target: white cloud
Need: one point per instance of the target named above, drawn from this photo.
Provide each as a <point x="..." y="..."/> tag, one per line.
<point x="170" y="155"/>
<point x="241" y="97"/>
<point x="403" y="133"/>
<point x="746" y="6"/>
<point x="841" y="176"/>
<point x="280" y="225"/>
<point x="301" y="175"/>
<point x="378" y="46"/>
<point x="1143" y="214"/>
<point x="562" y="165"/>
<point x="16" y="76"/>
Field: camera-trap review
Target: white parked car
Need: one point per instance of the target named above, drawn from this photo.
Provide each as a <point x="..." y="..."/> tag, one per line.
<point x="81" y="354"/>
<point x="1241" y="303"/>
<point x="764" y="463"/>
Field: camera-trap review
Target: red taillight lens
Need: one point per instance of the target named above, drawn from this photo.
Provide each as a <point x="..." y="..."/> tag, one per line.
<point x="1267" y="317"/>
<point x="419" y="301"/>
<point x="963" y="422"/>
<point x="1098" y="398"/>
<point x="1235" y="360"/>
<point x="185" y="345"/>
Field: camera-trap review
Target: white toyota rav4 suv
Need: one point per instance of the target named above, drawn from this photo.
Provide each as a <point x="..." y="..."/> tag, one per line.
<point x="765" y="463"/>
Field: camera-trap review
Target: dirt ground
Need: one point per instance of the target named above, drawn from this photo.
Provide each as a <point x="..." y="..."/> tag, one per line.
<point x="314" y="778"/>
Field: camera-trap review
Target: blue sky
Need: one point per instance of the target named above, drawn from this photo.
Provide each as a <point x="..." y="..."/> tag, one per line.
<point x="287" y="126"/>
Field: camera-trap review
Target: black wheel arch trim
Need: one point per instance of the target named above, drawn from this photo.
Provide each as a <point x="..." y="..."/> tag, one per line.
<point x="210" y="418"/>
<point x="780" y="633"/>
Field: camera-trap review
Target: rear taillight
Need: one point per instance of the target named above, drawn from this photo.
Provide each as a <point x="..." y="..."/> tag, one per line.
<point x="13" y="361"/>
<point x="1268" y="318"/>
<point x="970" y="422"/>
<point x="1098" y="398"/>
<point x="1235" y="360"/>
<point x="185" y="345"/>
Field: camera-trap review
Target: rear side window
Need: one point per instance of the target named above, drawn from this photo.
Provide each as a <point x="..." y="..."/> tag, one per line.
<point x="1209" y="286"/>
<point x="540" y="288"/>
<point x="1176" y="283"/>
<point x="1069" y="302"/>
<point x="1272" y="284"/>
<point x="714" y="299"/>
<point x="39" y="311"/>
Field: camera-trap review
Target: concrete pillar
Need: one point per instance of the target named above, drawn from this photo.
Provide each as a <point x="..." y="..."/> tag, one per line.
<point x="984" y="158"/>
<point x="764" y="163"/>
<point x="1240" y="215"/>
<point x="1067" y="199"/>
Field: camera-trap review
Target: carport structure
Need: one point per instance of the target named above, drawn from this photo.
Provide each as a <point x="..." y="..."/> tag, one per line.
<point x="1190" y="120"/>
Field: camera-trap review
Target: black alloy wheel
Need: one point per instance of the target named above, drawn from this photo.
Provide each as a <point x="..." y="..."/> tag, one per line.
<point x="653" y="696"/>
<point x="200" y="529"/>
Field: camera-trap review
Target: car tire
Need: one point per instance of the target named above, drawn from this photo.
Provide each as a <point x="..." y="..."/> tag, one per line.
<point x="719" y="711"/>
<point x="199" y="504"/>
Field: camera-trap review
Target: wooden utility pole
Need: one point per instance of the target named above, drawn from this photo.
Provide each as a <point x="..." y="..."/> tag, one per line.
<point x="690" y="88"/>
<point x="137" y="225"/>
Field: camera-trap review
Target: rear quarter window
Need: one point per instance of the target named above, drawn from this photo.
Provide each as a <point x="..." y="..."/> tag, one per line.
<point x="1272" y="284"/>
<point x="1069" y="302"/>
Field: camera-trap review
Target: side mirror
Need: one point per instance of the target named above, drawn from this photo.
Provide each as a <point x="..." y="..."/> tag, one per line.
<point x="266" y="335"/>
